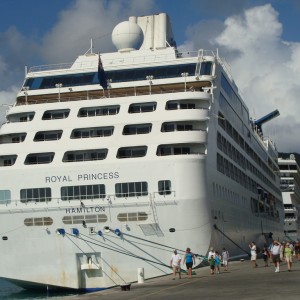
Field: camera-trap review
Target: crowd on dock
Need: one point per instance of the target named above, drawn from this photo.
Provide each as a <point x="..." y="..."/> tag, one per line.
<point x="275" y="253"/>
<point x="215" y="260"/>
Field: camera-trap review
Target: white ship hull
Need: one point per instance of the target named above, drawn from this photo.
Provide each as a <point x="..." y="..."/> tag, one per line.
<point x="169" y="177"/>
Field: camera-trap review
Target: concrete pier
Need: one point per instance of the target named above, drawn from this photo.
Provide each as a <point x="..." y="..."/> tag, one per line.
<point x="241" y="281"/>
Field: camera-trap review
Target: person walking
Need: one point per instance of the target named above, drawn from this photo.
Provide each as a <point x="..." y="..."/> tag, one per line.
<point x="212" y="262"/>
<point x="225" y="258"/>
<point x="189" y="260"/>
<point x="217" y="262"/>
<point x="275" y="250"/>
<point x="211" y="252"/>
<point x="252" y="247"/>
<point x="297" y="250"/>
<point x="288" y="255"/>
<point x="175" y="264"/>
<point x="265" y="254"/>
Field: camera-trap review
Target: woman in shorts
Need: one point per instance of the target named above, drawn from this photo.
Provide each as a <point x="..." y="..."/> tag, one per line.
<point x="189" y="259"/>
<point x="288" y="255"/>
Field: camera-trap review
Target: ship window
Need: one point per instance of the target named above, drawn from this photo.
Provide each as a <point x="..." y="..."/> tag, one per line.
<point x="80" y="133"/>
<point x="171" y="71"/>
<point x="7" y="160"/>
<point x="35" y="195"/>
<point x="99" y="111"/>
<point x="131" y="152"/>
<point x="80" y="192"/>
<point x="142" y="107"/>
<point x="39" y="158"/>
<point x="12" y="138"/>
<point x="173" y="105"/>
<point x="168" y="127"/>
<point x="21" y="117"/>
<point x="131" y="189"/>
<point x="164" y="187"/>
<point x="69" y="220"/>
<point x="5" y="197"/>
<point x="56" y="114"/>
<point x="42" y="221"/>
<point x="85" y="155"/>
<point x="134" y="216"/>
<point x="180" y="149"/>
<point x="206" y="68"/>
<point x="137" y="129"/>
<point x="48" y="135"/>
<point x="221" y="120"/>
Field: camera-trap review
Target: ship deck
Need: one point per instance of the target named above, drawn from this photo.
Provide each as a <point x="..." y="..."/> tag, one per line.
<point x="113" y="92"/>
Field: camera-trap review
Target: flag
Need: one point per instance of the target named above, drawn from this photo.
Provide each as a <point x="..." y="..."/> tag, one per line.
<point x="101" y="74"/>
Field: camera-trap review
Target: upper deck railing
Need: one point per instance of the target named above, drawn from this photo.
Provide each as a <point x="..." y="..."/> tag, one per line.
<point x="132" y="60"/>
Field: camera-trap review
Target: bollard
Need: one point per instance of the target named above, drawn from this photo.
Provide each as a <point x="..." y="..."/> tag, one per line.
<point x="141" y="275"/>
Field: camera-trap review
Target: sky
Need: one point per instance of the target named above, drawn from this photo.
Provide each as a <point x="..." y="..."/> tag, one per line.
<point x="260" y="41"/>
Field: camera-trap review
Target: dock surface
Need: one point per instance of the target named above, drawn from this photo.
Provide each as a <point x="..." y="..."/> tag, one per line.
<point x="241" y="281"/>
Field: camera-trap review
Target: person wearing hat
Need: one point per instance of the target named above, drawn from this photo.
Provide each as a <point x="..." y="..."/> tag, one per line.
<point x="175" y="264"/>
<point x="275" y="250"/>
<point x="288" y="255"/>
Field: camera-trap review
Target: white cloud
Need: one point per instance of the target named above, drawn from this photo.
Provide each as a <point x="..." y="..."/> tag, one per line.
<point x="86" y="20"/>
<point x="265" y="68"/>
<point x="70" y="37"/>
<point x="7" y="98"/>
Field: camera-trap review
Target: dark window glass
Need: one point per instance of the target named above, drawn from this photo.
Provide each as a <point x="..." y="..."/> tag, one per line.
<point x="47" y="135"/>
<point x="142" y="107"/>
<point x="131" y="189"/>
<point x="56" y="114"/>
<point x="137" y="129"/>
<point x="85" y="155"/>
<point x="39" y="158"/>
<point x="130" y="152"/>
<point x="83" y="192"/>
<point x="117" y="75"/>
<point x="35" y="195"/>
<point x="164" y="187"/>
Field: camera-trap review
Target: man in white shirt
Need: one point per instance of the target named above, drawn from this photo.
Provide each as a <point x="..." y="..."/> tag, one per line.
<point x="211" y="253"/>
<point x="275" y="251"/>
<point x="175" y="264"/>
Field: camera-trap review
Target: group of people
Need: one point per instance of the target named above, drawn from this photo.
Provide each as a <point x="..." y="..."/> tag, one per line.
<point x="188" y="260"/>
<point x="276" y="252"/>
<point x="214" y="259"/>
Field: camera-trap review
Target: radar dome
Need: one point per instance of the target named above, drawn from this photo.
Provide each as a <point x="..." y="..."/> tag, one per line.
<point x="127" y="35"/>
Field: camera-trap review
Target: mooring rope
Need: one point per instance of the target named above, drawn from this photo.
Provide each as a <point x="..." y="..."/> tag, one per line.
<point x="68" y="236"/>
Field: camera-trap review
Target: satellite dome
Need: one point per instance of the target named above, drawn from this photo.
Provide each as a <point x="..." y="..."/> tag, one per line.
<point x="127" y="35"/>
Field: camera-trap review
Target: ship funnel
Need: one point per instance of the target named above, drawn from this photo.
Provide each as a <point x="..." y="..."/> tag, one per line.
<point x="258" y="123"/>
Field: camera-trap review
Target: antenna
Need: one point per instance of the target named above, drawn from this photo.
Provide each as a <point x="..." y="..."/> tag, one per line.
<point x="91" y="48"/>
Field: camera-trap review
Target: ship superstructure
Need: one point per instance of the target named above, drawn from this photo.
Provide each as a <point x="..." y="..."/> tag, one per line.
<point x="290" y="187"/>
<point x="100" y="181"/>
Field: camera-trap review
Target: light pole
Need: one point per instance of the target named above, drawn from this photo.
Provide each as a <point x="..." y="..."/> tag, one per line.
<point x="25" y="89"/>
<point x="185" y="74"/>
<point x="149" y="78"/>
<point x="58" y="85"/>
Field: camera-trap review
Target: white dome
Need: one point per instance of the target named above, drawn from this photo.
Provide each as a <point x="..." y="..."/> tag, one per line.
<point x="127" y="35"/>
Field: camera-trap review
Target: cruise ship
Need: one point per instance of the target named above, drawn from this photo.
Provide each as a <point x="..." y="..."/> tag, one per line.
<point x="111" y="162"/>
<point x="290" y="187"/>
